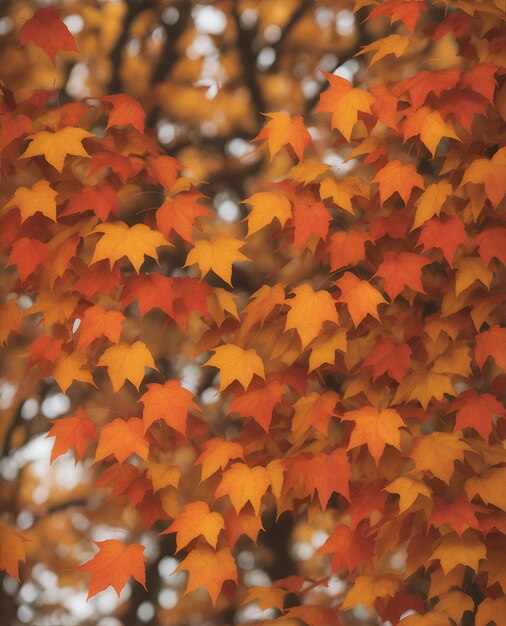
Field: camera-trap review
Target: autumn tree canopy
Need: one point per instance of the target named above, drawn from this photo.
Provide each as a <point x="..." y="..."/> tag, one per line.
<point x="253" y="342"/>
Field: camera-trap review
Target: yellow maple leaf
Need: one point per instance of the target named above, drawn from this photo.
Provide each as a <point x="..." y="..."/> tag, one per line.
<point x="209" y="569"/>
<point x="361" y="297"/>
<point x="393" y="44"/>
<point x="163" y="475"/>
<point x="196" y="519"/>
<point x="216" y="254"/>
<point x="454" y="550"/>
<point x="342" y="191"/>
<point x="491" y="173"/>
<point x="236" y="363"/>
<point x="423" y="386"/>
<point x="469" y="270"/>
<point x="135" y="242"/>
<point x="41" y="197"/>
<point x="408" y="489"/>
<point x="309" y="310"/>
<point x="126" y="362"/>
<point x="323" y="349"/>
<point x="431" y="201"/>
<point x="375" y="429"/>
<point x="431" y="127"/>
<point x="282" y="129"/>
<point x="267" y="206"/>
<point x="55" y="146"/>
<point x="243" y="484"/>
<point x="70" y="367"/>
<point x="489" y="486"/>
<point x="308" y="170"/>
<point x="438" y="452"/>
<point x="367" y="589"/>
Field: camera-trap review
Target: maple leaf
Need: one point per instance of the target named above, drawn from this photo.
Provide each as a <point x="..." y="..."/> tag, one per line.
<point x="71" y="367"/>
<point x="342" y="191"/>
<point x="307" y="171"/>
<point x="267" y="206"/>
<point x="217" y="255"/>
<point x="163" y="475"/>
<point x="41" y="197"/>
<point x="326" y="474"/>
<point x="491" y="342"/>
<point x="11" y="316"/>
<point x="492" y="243"/>
<point x="126" y="362"/>
<point x="491" y="173"/>
<point x="151" y="290"/>
<point x="481" y="79"/>
<point x="13" y="126"/>
<point x="46" y="30"/>
<point x="392" y="44"/>
<point x="490" y="610"/>
<point x="422" y="386"/>
<point x="361" y="298"/>
<point x="431" y="201"/>
<point x="344" y="102"/>
<point x="179" y="214"/>
<point x="489" y="486"/>
<point x="97" y="322"/>
<point x="454" y="550"/>
<point x="396" y="177"/>
<point x="438" y="453"/>
<point x="71" y="432"/>
<point x="27" y="255"/>
<point x="119" y="240"/>
<point x="216" y="455"/>
<point x="402" y="270"/>
<point x="431" y="127"/>
<point x="169" y="402"/>
<point x="309" y="310"/>
<point x="267" y="597"/>
<point x="265" y="301"/>
<point x="196" y="519"/>
<point x="375" y="429"/>
<point x="243" y="523"/>
<point x="348" y="547"/>
<point x="282" y="130"/>
<point x="314" y="615"/>
<point x="408" y="489"/>
<point x="209" y="569"/>
<point x="12" y="550"/>
<point x="459" y="514"/>
<point x="314" y="410"/>
<point x="407" y="11"/>
<point x="323" y="349"/>
<point x="113" y="565"/>
<point x="243" y="484"/>
<point x="55" y="146"/>
<point x="447" y="234"/>
<point x="258" y="403"/>
<point x="475" y="410"/>
<point x="125" y="110"/>
<point x="121" y="438"/>
<point x="310" y="220"/>
<point x="102" y="200"/>
<point x="236" y="363"/>
<point x="367" y="589"/>
<point x="347" y="248"/>
<point x="422" y="84"/>
<point x="388" y="357"/>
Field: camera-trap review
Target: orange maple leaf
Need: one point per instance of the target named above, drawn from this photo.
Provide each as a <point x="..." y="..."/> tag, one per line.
<point x="196" y="519"/>
<point x="209" y="569"/>
<point x="113" y="565"/>
<point x="309" y="310"/>
<point x="169" y="402"/>
<point x="71" y="432"/>
<point x="284" y="130"/>
<point x="121" y="438"/>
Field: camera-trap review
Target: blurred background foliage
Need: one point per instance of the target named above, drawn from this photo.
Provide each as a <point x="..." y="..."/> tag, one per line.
<point x="205" y="72"/>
